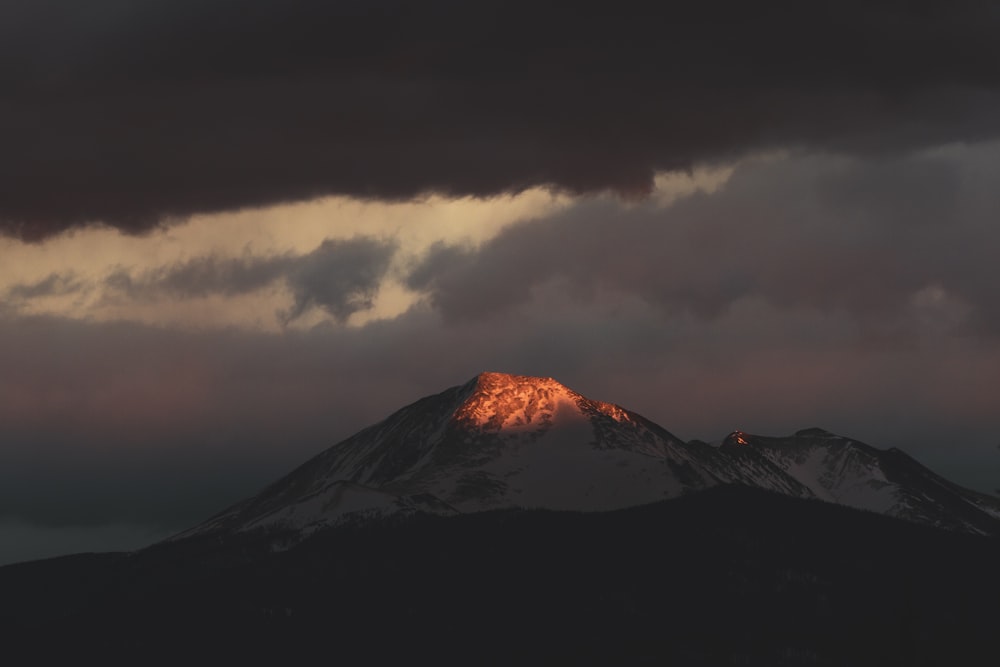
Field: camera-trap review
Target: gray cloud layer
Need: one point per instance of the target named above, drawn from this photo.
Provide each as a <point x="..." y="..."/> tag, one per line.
<point x="903" y="245"/>
<point x="203" y="276"/>
<point x="54" y="284"/>
<point x="341" y="277"/>
<point x="131" y="113"/>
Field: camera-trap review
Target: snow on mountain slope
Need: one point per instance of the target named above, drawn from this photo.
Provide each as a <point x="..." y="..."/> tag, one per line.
<point x="497" y="441"/>
<point x="530" y="442"/>
<point x="831" y="468"/>
<point x="502" y="441"/>
<point x="851" y="473"/>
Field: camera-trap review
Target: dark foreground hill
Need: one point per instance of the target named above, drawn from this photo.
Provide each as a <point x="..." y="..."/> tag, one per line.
<point x="728" y="576"/>
<point x="511" y="520"/>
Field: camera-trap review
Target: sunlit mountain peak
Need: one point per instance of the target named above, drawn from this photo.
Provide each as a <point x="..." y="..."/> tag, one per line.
<point x="502" y="401"/>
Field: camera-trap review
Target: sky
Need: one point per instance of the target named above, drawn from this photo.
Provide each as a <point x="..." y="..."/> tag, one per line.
<point x="234" y="233"/>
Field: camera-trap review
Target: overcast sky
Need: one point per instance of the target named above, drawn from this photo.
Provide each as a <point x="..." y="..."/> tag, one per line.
<point x="233" y="233"/>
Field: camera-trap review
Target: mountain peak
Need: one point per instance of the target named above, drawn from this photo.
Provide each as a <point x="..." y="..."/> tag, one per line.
<point x="498" y="401"/>
<point x="737" y="438"/>
<point x="495" y="381"/>
<point x="502" y="401"/>
<point x="503" y="440"/>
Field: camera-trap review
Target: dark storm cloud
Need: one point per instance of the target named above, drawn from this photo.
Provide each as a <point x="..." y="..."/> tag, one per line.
<point x="902" y="245"/>
<point x="136" y="113"/>
<point x="341" y="277"/>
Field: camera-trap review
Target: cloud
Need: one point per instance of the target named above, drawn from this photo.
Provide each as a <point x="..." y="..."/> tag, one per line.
<point x="228" y="276"/>
<point x="900" y="244"/>
<point x="340" y="277"/>
<point x="134" y="115"/>
<point x="54" y="284"/>
<point x="203" y="276"/>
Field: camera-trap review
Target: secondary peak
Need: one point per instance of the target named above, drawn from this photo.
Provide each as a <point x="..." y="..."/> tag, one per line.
<point x="738" y="438"/>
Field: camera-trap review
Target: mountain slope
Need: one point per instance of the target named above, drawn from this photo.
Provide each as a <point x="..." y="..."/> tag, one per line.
<point x="728" y="576"/>
<point x="505" y="441"/>
<point x="851" y="473"/>
<point x="497" y="441"/>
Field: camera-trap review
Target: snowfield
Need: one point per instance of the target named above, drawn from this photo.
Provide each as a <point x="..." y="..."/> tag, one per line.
<point x="510" y="441"/>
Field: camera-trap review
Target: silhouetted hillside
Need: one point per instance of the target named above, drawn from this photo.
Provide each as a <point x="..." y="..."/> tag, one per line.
<point x="730" y="576"/>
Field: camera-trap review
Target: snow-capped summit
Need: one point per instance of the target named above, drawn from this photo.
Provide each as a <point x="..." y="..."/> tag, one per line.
<point x="497" y="441"/>
<point x="503" y="441"/>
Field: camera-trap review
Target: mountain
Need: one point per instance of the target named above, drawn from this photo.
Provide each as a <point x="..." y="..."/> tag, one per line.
<point x="511" y="520"/>
<point x="497" y="441"/>
<point x="847" y="472"/>
<point x="509" y="441"/>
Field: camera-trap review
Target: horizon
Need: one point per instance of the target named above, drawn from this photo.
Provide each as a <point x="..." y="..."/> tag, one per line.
<point x="217" y="261"/>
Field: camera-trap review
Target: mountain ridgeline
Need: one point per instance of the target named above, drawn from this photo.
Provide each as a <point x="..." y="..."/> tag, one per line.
<point x="506" y="441"/>
<point x="511" y="520"/>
